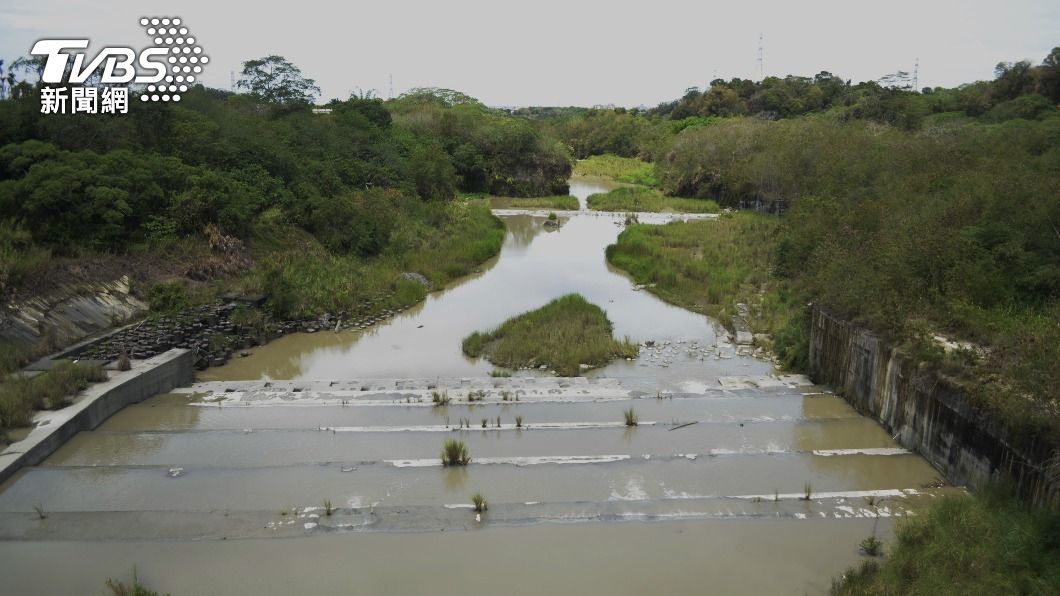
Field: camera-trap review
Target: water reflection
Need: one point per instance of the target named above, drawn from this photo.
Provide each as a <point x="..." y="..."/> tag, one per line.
<point x="532" y="269"/>
<point x="583" y="186"/>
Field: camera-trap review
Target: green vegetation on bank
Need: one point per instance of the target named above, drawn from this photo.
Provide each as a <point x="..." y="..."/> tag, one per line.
<point x="441" y="241"/>
<point x="255" y="178"/>
<point x="639" y="198"/>
<point x="709" y="266"/>
<point x="985" y="544"/>
<point x="912" y="234"/>
<point x="911" y="212"/>
<point x="562" y="335"/>
<point x="53" y="389"/>
<point x="623" y="169"/>
<point x="1020" y="90"/>
<point x="558" y="203"/>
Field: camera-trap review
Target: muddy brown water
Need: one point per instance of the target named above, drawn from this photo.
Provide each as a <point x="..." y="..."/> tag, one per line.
<point x="207" y="493"/>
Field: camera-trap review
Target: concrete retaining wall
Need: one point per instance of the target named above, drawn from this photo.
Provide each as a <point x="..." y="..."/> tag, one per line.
<point x="70" y="314"/>
<point x="926" y="412"/>
<point x="97" y="403"/>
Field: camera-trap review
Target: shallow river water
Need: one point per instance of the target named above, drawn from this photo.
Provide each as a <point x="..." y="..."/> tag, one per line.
<point x="220" y="488"/>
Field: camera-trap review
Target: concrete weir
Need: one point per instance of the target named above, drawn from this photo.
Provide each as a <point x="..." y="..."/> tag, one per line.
<point x="94" y="405"/>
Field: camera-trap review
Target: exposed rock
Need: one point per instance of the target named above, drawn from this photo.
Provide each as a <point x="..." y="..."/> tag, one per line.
<point x="416" y="277"/>
<point x="70" y="314"/>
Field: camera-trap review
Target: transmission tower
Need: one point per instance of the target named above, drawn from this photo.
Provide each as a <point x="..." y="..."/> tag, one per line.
<point x="391" y="95"/>
<point x="916" y="76"/>
<point x="760" y="69"/>
<point x="232" y="80"/>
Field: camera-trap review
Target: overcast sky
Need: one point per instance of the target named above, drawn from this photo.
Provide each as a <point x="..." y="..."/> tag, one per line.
<point x="567" y="52"/>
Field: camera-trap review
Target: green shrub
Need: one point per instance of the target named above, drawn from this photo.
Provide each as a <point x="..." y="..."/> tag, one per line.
<point x="167" y="297"/>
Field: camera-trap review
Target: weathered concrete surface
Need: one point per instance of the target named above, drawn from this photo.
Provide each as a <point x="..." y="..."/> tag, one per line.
<point x="642" y="216"/>
<point x="926" y="412"/>
<point x="458" y="390"/>
<point x="94" y="405"/>
<point x="70" y="314"/>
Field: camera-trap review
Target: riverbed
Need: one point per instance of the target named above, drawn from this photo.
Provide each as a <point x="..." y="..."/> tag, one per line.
<point x="738" y="479"/>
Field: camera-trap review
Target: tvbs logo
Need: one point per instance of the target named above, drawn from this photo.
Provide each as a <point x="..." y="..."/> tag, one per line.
<point x="167" y="67"/>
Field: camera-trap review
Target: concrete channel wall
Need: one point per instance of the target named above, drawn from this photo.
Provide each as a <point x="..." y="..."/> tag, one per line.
<point x="927" y="412"/>
<point x="97" y="403"/>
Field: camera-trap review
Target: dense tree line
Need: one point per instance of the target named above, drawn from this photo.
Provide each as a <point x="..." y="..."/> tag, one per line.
<point x="163" y="171"/>
<point x="1019" y="90"/>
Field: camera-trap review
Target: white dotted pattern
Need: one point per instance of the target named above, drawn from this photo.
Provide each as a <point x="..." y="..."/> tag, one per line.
<point x="185" y="57"/>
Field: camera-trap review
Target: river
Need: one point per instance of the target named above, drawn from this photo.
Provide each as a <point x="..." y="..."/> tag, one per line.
<point x="219" y="488"/>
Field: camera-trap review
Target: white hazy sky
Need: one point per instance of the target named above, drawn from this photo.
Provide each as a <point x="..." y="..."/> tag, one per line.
<point x="567" y="52"/>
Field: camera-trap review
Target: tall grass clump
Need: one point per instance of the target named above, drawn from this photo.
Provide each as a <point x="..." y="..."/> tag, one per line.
<point x="454" y="453"/>
<point x="119" y="587"/>
<point x="20" y="258"/>
<point x="631" y="417"/>
<point x="645" y="199"/>
<point x="479" y="502"/>
<point x="54" y="389"/>
<point x="562" y="335"/>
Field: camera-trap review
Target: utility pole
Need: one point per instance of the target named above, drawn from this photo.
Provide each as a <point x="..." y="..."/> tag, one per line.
<point x="760" y="68"/>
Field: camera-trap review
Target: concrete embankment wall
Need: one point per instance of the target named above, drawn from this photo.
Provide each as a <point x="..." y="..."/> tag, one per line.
<point x="927" y="412"/>
<point x="97" y="403"/>
<point x="70" y="314"/>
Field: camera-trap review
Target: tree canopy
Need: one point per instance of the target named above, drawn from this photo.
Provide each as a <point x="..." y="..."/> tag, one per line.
<point x="275" y="80"/>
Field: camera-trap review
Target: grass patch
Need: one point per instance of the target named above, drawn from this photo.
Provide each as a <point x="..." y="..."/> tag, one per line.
<point x="646" y="199"/>
<point x="709" y="266"/>
<point x="561" y="203"/>
<point x="455" y="453"/>
<point x="985" y="544"/>
<point x="479" y="502"/>
<point x="562" y="335"/>
<point x="19" y="396"/>
<point x="623" y="169"/>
